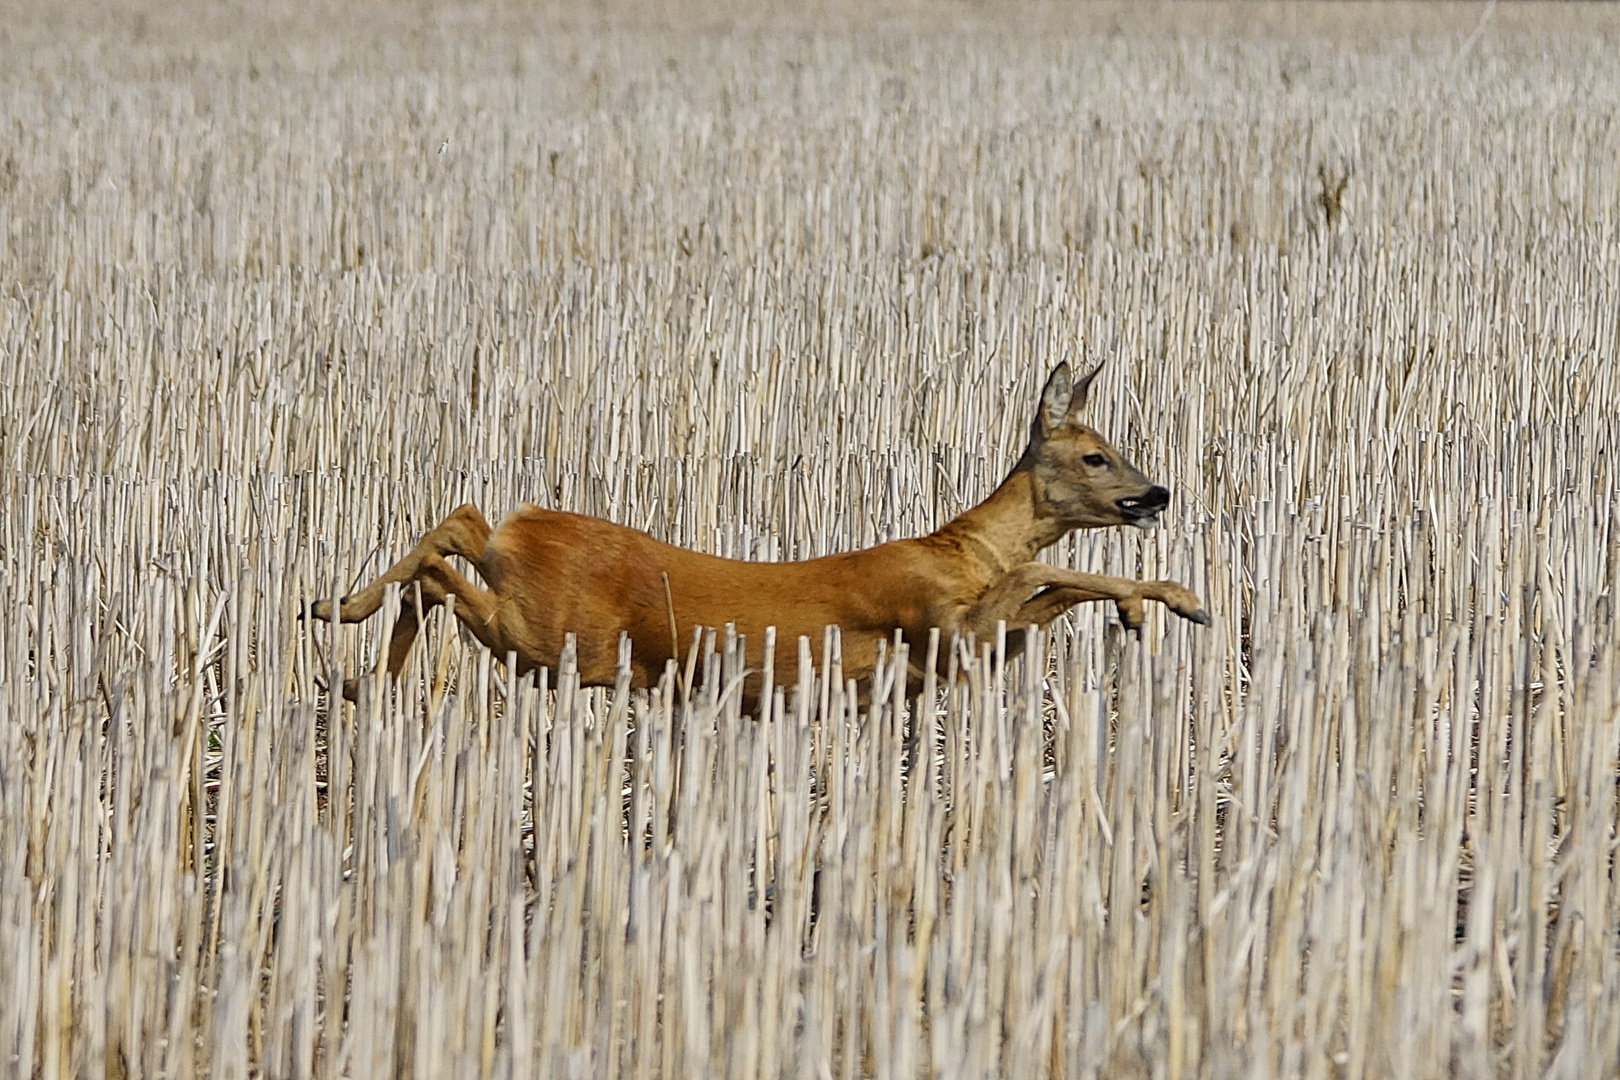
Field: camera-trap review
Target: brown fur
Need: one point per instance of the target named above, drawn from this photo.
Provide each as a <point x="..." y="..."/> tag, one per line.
<point x="551" y="573"/>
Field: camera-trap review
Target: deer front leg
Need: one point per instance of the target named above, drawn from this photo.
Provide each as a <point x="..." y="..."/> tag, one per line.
<point x="1057" y="590"/>
<point x="1053" y="601"/>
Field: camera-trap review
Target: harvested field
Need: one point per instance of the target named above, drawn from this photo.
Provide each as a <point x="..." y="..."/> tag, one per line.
<point x="281" y="285"/>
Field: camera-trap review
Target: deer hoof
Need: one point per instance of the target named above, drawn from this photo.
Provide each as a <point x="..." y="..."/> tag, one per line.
<point x="1201" y="617"/>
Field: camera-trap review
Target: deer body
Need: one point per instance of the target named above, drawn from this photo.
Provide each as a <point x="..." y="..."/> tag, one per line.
<point x="551" y="573"/>
<point x="615" y="582"/>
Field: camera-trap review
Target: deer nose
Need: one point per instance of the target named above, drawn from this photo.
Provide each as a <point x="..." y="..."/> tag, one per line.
<point x="1150" y="501"/>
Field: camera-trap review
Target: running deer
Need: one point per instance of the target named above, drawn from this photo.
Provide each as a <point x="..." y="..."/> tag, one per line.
<point x="551" y="573"/>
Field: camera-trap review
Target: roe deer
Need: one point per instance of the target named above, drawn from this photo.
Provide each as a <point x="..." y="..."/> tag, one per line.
<point x="551" y="573"/>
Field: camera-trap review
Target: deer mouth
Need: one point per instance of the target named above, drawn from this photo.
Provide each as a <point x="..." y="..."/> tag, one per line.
<point x="1143" y="510"/>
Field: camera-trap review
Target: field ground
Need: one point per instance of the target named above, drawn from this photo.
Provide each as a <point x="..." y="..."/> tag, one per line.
<point x="280" y="285"/>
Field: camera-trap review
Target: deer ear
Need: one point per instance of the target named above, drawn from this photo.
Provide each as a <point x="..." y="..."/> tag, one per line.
<point x="1083" y="388"/>
<point x="1055" y="399"/>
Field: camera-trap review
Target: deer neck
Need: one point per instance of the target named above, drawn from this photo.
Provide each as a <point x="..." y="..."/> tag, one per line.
<point x="1006" y="529"/>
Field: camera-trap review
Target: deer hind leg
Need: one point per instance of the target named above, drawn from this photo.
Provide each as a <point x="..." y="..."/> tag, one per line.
<point x="438" y="580"/>
<point x="464" y="533"/>
<point x="476" y="608"/>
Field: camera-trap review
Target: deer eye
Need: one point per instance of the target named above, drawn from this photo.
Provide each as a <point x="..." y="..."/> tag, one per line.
<point x="1096" y="461"/>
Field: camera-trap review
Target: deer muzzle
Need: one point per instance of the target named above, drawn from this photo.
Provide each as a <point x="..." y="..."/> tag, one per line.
<point x="1143" y="510"/>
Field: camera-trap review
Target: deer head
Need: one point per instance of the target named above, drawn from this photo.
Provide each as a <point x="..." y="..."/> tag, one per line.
<point x="1081" y="481"/>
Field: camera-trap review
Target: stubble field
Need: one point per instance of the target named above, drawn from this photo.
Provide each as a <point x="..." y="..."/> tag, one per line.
<point x="281" y="286"/>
